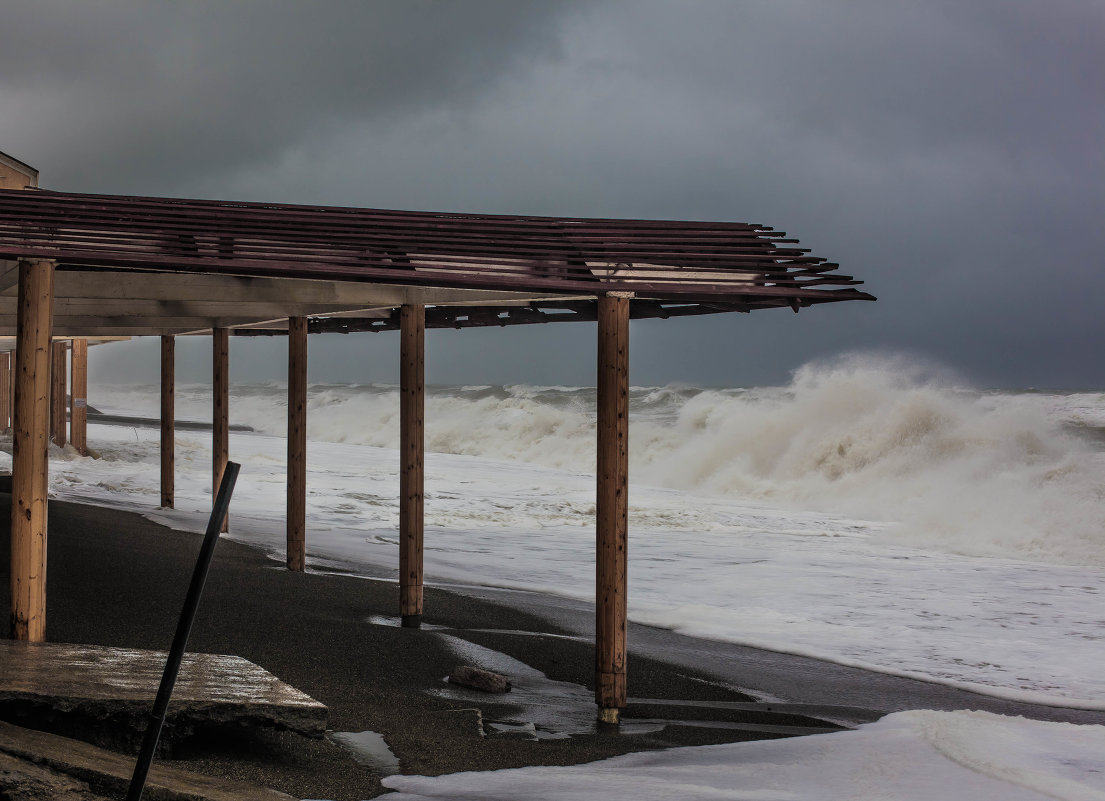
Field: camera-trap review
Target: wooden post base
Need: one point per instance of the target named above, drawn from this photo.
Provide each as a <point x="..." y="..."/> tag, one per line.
<point x="412" y="621"/>
<point x="610" y="716"/>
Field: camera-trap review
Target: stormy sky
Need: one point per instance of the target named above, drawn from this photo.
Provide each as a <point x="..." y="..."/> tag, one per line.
<point x="950" y="154"/>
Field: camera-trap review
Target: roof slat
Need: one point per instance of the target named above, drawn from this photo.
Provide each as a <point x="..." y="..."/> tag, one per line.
<point x="740" y="266"/>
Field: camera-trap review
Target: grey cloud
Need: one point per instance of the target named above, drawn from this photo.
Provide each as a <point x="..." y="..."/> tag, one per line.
<point x="948" y="153"/>
<point x="131" y="94"/>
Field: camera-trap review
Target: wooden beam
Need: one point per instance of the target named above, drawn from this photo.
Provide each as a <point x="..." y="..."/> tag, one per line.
<point x="411" y="475"/>
<point x="612" y="507"/>
<point x="127" y="324"/>
<point x="129" y="285"/>
<point x="5" y="391"/>
<point x="127" y="317"/>
<point x="108" y="333"/>
<point x="212" y="308"/>
<point x="220" y="418"/>
<point x="297" y="443"/>
<point x="30" y="452"/>
<point x="168" y="422"/>
<point x="58" y="392"/>
<point x="78" y="395"/>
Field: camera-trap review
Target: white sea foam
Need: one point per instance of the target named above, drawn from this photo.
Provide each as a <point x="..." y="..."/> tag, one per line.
<point x="811" y="583"/>
<point x="908" y="756"/>
<point x="867" y="513"/>
<point x="1000" y="474"/>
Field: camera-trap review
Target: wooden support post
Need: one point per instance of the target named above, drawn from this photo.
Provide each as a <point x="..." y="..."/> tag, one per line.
<point x="612" y="506"/>
<point x="5" y="391"/>
<point x="30" y="463"/>
<point x="168" y="422"/>
<point x="412" y="331"/>
<point x="78" y="396"/>
<point x="220" y="418"/>
<point x="57" y="392"/>
<point x="297" y="443"/>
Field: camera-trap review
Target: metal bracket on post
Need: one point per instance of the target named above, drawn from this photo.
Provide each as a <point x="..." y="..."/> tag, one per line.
<point x="183" y="629"/>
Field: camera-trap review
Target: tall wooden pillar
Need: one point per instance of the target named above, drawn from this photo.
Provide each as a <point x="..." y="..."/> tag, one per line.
<point x="29" y="451"/>
<point x="412" y="332"/>
<point x="297" y="443"/>
<point x="78" y="396"/>
<point x="57" y="392"/>
<point x="168" y="422"/>
<point x="220" y="417"/>
<point x="612" y="506"/>
<point x="5" y="391"/>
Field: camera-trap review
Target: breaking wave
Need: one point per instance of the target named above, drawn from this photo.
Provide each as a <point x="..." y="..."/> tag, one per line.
<point x="1015" y="474"/>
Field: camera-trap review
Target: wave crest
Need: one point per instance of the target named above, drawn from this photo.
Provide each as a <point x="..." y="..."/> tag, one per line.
<point x="1003" y="474"/>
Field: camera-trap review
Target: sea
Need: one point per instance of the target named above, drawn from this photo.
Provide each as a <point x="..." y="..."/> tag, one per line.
<point x="868" y="513"/>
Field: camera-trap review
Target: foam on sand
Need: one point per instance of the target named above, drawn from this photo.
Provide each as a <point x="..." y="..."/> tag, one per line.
<point x="914" y="756"/>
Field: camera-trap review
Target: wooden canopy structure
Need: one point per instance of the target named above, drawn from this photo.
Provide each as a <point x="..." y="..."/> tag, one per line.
<point x="473" y="269"/>
<point x="79" y="265"/>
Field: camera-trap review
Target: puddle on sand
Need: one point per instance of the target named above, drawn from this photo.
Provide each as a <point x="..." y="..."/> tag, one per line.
<point x="554" y="709"/>
<point x="369" y="749"/>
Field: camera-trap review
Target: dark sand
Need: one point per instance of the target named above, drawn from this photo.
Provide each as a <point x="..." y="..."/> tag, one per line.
<point x="118" y="579"/>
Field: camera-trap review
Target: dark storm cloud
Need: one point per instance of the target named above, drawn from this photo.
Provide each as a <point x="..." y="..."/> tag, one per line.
<point x="948" y="153"/>
<point x="120" y="95"/>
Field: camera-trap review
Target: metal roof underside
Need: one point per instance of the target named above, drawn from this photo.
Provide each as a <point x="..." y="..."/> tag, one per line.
<point x="135" y="265"/>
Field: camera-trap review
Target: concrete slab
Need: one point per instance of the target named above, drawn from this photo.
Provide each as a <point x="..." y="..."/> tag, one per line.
<point x="108" y="773"/>
<point x="24" y="780"/>
<point x="118" y="685"/>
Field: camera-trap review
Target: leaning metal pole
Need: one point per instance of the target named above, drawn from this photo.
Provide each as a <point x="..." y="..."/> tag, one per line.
<point x="183" y="629"/>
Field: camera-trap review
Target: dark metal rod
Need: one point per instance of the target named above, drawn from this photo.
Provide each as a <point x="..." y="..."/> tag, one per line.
<point x="183" y="629"/>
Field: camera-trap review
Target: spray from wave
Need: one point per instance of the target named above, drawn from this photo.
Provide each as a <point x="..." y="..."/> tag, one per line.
<point x="971" y="472"/>
<point x="999" y="474"/>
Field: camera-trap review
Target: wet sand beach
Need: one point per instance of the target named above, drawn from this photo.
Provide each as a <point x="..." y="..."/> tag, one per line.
<point x="119" y="579"/>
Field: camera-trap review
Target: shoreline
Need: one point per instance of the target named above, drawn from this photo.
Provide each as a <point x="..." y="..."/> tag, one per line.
<point x="782" y="579"/>
<point x="777" y="669"/>
<point x="118" y="578"/>
<point x="771" y="675"/>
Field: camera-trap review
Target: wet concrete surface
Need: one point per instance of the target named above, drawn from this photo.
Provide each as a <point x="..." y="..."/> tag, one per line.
<point x="119" y="684"/>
